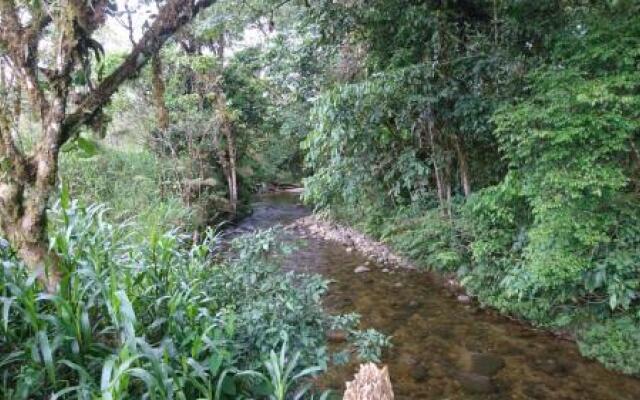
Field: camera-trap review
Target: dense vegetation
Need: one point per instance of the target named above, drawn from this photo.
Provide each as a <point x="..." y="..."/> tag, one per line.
<point x="144" y="311"/>
<point x="131" y="291"/>
<point x="495" y="141"/>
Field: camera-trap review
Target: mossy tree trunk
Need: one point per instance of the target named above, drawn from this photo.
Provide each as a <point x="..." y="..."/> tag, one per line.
<point x="27" y="180"/>
<point x="157" y="83"/>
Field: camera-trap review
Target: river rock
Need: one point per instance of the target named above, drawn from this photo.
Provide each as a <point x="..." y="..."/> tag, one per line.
<point x="464" y="299"/>
<point x="555" y="368"/>
<point x="385" y="270"/>
<point x="475" y="383"/>
<point x="486" y="364"/>
<point x="361" y="269"/>
<point x="419" y="373"/>
<point x="536" y="391"/>
<point x="398" y="285"/>
<point x="337" y="336"/>
<point x="349" y="249"/>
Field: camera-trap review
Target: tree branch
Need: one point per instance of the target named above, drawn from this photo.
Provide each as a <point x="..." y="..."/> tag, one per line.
<point x="9" y="150"/>
<point x="173" y="16"/>
<point x="22" y="46"/>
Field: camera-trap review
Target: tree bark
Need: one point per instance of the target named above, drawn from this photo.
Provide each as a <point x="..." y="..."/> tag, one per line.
<point x="27" y="181"/>
<point x="225" y="126"/>
<point x="635" y="165"/>
<point x="25" y="192"/>
<point x="463" y="165"/>
<point x="226" y="155"/>
<point x="441" y="167"/>
<point x="157" y="83"/>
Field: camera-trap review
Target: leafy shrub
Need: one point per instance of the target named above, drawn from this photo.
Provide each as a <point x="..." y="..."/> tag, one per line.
<point x="157" y="319"/>
<point x="129" y="183"/>
<point x="615" y="343"/>
<point x="560" y="232"/>
<point x="430" y="239"/>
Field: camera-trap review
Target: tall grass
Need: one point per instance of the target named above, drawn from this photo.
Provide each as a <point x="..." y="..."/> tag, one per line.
<point x="155" y="320"/>
<point x="132" y="184"/>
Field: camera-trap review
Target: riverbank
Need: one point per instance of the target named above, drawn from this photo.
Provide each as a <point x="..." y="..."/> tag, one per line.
<point x="441" y="347"/>
<point x="383" y="257"/>
<point x="379" y="255"/>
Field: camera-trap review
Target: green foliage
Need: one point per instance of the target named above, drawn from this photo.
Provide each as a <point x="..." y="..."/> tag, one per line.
<point x="615" y="343"/>
<point x="131" y="185"/>
<point x="362" y="147"/>
<point x="270" y="154"/>
<point x="569" y="214"/>
<point x="156" y="319"/>
<point x="369" y="345"/>
<point x="281" y="377"/>
<point x="542" y="101"/>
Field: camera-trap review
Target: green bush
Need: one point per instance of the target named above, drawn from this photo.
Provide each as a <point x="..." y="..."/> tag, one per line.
<point x="430" y="239"/>
<point x="132" y="184"/>
<point x="615" y="343"/>
<point x="157" y="319"/>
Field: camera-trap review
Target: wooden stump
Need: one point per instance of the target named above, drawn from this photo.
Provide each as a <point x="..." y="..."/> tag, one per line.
<point x="370" y="383"/>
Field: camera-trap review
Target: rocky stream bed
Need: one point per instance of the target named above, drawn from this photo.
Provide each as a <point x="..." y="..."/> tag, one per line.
<point x="445" y="346"/>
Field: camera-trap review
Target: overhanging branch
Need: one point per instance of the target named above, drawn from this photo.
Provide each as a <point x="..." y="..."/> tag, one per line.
<point x="173" y="16"/>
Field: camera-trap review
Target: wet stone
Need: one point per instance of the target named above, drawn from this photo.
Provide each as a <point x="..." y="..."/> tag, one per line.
<point x="420" y="373"/>
<point x="555" y="368"/>
<point x="510" y="350"/>
<point x="361" y="269"/>
<point x="474" y="383"/>
<point x="486" y="364"/>
<point x="408" y="359"/>
<point x="464" y="299"/>
<point x="536" y="391"/>
<point x="337" y="336"/>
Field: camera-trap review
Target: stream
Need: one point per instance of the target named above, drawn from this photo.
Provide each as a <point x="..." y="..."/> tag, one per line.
<point x="442" y="349"/>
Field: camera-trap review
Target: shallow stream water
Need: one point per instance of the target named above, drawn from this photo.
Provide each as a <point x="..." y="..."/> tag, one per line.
<point x="442" y="349"/>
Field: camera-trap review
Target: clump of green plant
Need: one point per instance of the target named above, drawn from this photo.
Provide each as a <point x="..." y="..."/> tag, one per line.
<point x="281" y="376"/>
<point x="427" y="238"/>
<point x="157" y="319"/>
<point x="615" y="343"/>
<point x="136" y="186"/>
<point x="367" y="345"/>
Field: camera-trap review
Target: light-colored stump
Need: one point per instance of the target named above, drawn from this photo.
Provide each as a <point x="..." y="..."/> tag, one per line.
<point x="370" y="383"/>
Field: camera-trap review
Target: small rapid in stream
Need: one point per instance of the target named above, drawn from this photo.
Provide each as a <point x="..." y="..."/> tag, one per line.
<point x="442" y="349"/>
